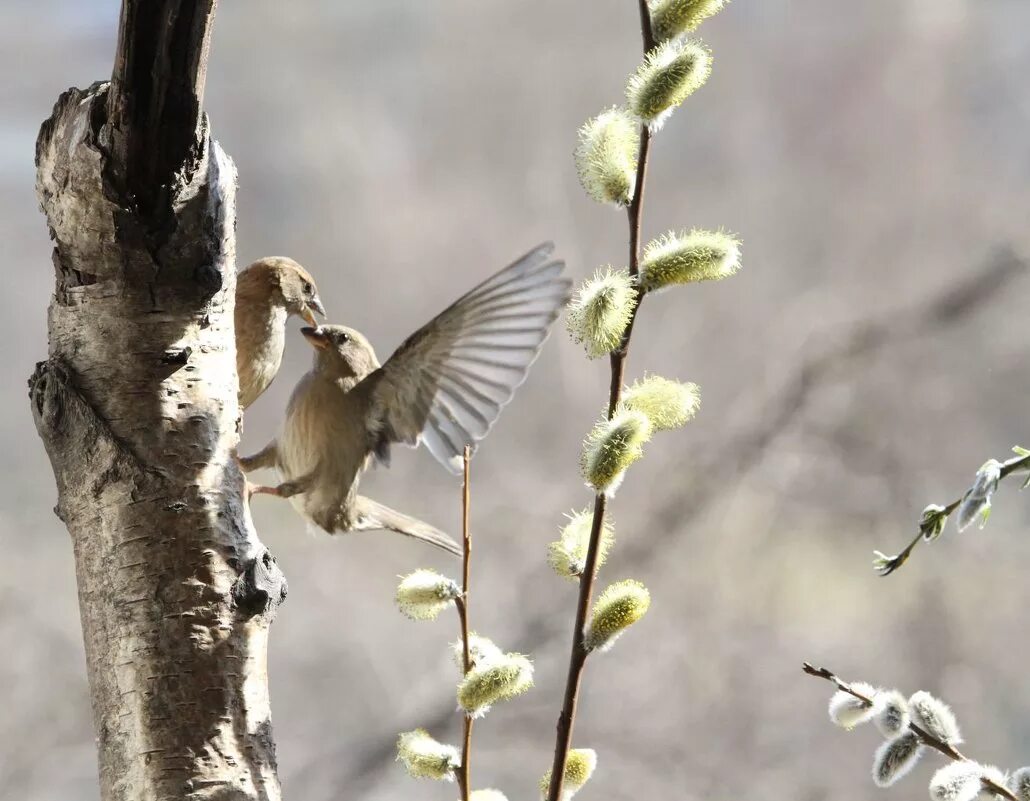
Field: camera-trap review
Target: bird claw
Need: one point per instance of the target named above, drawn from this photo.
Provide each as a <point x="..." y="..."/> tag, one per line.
<point x="262" y="489"/>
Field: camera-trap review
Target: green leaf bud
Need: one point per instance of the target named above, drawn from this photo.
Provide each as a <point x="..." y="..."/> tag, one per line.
<point x="617" y="608"/>
<point x="425" y="758"/>
<point x="606" y="157"/>
<point x="422" y="595"/>
<point x="600" y="311"/>
<point x="499" y="680"/>
<point x="611" y="447"/>
<point x="976" y="504"/>
<point x="568" y="556"/>
<point x="667" y="404"/>
<point x="579" y="767"/>
<point x="669" y="74"/>
<point x="932" y="521"/>
<point x="686" y="258"/>
<point x="670" y="18"/>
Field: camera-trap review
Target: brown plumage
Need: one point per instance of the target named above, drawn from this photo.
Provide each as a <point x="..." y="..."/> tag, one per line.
<point x="444" y="386"/>
<point x="268" y="293"/>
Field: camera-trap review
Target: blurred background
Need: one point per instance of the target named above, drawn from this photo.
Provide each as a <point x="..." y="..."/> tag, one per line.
<point x="872" y="353"/>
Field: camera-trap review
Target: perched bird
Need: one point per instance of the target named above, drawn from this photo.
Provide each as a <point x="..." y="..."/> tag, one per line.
<point x="444" y="386"/>
<point x="268" y="293"/>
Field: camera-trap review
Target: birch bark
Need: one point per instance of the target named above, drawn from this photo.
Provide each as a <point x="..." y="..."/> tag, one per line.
<point x="136" y="406"/>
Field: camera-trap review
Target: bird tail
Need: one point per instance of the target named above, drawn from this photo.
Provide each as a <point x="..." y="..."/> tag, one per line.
<point x="374" y="516"/>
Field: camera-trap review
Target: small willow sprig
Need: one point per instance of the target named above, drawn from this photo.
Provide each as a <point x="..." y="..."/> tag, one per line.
<point x="974" y="505"/>
<point x="488" y="674"/>
<point x="462" y="605"/>
<point x="872" y="703"/>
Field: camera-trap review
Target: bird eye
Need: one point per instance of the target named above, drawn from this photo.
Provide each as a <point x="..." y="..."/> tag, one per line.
<point x="307" y="288"/>
<point x="344" y="337"/>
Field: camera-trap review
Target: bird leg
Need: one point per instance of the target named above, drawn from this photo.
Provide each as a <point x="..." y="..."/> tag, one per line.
<point x="266" y="457"/>
<point x="287" y="489"/>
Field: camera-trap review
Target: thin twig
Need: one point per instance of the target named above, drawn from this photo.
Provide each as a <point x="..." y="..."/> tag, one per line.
<point x="924" y="736"/>
<point x="578" y="655"/>
<point x="885" y="565"/>
<point x="463" y="615"/>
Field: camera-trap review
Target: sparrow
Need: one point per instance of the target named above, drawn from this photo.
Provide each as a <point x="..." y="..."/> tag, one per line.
<point x="268" y="293"/>
<point x="444" y="386"/>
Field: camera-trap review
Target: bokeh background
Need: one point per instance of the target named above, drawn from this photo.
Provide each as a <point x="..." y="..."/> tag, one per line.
<point x="870" y="356"/>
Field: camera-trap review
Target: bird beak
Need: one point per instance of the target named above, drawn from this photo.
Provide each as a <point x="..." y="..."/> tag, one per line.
<point x="316" y="336"/>
<point x="314" y="304"/>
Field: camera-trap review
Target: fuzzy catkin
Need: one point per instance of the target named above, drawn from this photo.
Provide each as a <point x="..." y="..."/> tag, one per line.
<point x="568" y="555"/>
<point x="847" y="711"/>
<point x="668" y="404"/>
<point x="600" y="311"/>
<point x="579" y="767"/>
<point x="617" y="608"/>
<point x="688" y="257"/>
<point x="487" y="795"/>
<point x="425" y="758"/>
<point x="669" y="74"/>
<point x="893" y="717"/>
<point x="934" y="716"/>
<point x="894" y="758"/>
<point x="611" y="447"/>
<point x="422" y="595"/>
<point x="670" y="18"/>
<point x="957" y="781"/>
<point x="497" y="681"/>
<point x="482" y="652"/>
<point x="606" y="156"/>
<point x="1019" y="784"/>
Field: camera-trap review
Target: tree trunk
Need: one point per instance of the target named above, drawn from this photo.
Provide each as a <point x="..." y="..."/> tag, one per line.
<point x="137" y="408"/>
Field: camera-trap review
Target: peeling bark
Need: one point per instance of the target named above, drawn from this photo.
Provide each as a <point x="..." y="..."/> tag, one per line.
<point x="137" y="408"/>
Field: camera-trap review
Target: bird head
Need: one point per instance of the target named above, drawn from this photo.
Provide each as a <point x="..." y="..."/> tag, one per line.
<point x="341" y="352"/>
<point x="288" y="284"/>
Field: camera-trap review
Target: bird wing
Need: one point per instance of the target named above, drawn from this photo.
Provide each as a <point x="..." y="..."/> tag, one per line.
<point x="447" y="383"/>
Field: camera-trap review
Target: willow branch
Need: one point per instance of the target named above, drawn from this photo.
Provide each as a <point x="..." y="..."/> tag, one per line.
<point x="617" y="360"/>
<point x="924" y="736"/>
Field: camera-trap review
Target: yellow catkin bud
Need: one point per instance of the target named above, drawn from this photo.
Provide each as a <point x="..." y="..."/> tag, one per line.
<point x="606" y="156"/>
<point x="498" y="681"/>
<point x="684" y="258"/>
<point x="600" y="311"/>
<point x="425" y="758"/>
<point x="670" y="18"/>
<point x="668" y="404"/>
<point x="611" y="447"/>
<point x="669" y="74"/>
<point x="617" y="608"/>
<point x="579" y="767"/>
<point x="422" y="595"/>
<point x="568" y="555"/>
